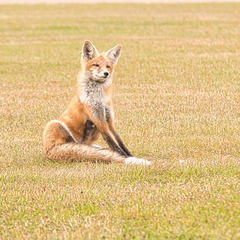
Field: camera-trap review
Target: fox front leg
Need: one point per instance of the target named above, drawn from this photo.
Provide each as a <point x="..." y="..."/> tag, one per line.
<point x="119" y="141"/>
<point x="101" y="116"/>
<point x="109" y="119"/>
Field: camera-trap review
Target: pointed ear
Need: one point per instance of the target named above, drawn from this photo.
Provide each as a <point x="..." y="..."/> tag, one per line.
<point x="113" y="54"/>
<point x="88" y="51"/>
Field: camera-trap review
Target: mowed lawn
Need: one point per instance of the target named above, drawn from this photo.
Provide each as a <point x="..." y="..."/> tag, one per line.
<point x="177" y="103"/>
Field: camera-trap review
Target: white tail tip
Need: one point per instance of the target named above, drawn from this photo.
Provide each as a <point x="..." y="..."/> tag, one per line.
<point x="137" y="161"/>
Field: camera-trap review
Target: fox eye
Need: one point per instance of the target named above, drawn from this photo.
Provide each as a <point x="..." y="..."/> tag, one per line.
<point x="107" y="66"/>
<point x="96" y="65"/>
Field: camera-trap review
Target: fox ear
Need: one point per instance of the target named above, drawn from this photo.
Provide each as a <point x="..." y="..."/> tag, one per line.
<point x="89" y="51"/>
<point x="113" y="54"/>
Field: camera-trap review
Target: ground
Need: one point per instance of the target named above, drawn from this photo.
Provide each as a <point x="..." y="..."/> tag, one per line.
<point x="176" y="101"/>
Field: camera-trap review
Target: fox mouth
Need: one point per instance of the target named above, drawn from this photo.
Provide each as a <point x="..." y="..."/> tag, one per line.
<point x="102" y="80"/>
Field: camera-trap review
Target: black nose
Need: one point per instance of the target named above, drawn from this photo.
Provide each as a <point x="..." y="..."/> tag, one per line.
<point x="106" y="74"/>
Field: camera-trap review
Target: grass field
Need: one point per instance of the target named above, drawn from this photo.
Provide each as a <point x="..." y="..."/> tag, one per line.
<point x="177" y="103"/>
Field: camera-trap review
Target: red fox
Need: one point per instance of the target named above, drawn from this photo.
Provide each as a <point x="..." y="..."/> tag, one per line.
<point x="89" y="115"/>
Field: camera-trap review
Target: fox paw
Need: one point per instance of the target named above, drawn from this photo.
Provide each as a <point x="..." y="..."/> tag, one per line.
<point x="137" y="161"/>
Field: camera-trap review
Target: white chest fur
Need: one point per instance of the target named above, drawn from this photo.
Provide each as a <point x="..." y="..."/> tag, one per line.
<point x="92" y="93"/>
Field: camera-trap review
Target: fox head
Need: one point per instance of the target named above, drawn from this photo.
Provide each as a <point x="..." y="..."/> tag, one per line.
<point x="99" y="67"/>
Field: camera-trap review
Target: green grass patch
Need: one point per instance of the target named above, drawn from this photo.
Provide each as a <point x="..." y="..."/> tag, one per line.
<point x="176" y="98"/>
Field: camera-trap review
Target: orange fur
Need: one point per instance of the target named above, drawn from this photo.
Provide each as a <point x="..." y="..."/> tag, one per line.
<point x="89" y="115"/>
<point x="67" y="138"/>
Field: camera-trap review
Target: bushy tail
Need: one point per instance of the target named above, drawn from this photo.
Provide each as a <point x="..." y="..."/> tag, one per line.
<point x="60" y="145"/>
<point x="82" y="152"/>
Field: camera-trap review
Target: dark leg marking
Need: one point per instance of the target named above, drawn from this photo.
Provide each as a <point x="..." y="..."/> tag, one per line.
<point x="89" y="127"/>
<point x="93" y="132"/>
<point x="66" y="134"/>
<point x="113" y="145"/>
<point x="121" y="144"/>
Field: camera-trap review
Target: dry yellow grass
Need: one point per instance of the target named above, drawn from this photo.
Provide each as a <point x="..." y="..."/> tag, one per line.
<point x="177" y="104"/>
